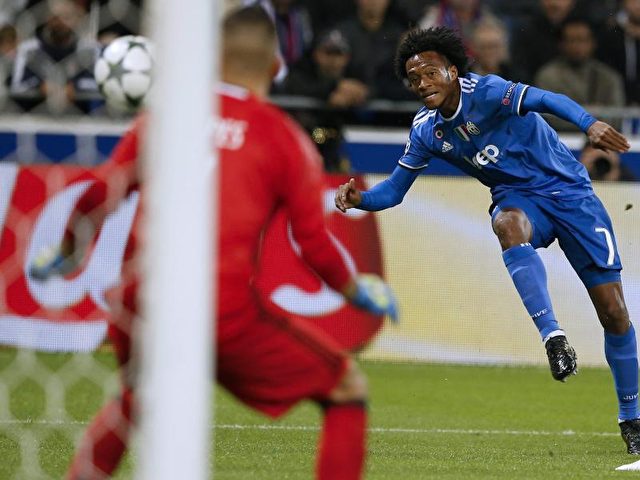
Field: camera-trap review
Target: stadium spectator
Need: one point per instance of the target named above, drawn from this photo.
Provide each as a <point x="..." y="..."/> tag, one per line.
<point x="267" y="361"/>
<point x="373" y="35"/>
<point x="326" y="14"/>
<point x="577" y="74"/>
<point x="620" y="48"/>
<point x="513" y="13"/>
<point x="459" y="15"/>
<point x="491" y="51"/>
<point x="539" y="191"/>
<point x="116" y="19"/>
<point x="10" y="10"/>
<point x="322" y="76"/>
<point x="535" y="41"/>
<point x="605" y="165"/>
<point x="56" y="64"/>
<point x="8" y="45"/>
<point x="293" y="25"/>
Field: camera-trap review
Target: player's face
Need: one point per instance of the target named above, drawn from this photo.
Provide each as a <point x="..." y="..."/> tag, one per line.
<point x="434" y="80"/>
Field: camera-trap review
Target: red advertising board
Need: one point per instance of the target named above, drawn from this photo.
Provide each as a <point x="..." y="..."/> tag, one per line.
<point x="68" y="313"/>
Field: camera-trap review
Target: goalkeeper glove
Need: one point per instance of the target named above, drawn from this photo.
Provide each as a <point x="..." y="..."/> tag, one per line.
<point x="51" y="261"/>
<point x="375" y="296"/>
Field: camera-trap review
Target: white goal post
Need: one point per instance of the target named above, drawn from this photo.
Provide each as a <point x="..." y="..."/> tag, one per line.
<point x="178" y="193"/>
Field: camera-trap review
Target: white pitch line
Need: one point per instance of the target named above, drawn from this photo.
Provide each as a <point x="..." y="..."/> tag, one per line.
<point x="455" y="431"/>
<point x="53" y="423"/>
<point x="312" y="428"/>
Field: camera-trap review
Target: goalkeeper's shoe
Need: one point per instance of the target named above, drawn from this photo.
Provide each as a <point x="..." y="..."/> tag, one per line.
<point x="375" y="296"/>
<point x="630" y="431"/>
<point x="562" y="358"/>
<point x="49" y="262"/>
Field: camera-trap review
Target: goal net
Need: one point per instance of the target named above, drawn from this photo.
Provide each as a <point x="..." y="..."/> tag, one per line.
<point x="58" y="368"/>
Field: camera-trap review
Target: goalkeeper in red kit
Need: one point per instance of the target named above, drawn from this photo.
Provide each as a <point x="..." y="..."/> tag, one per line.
<point x="267" y="361"/>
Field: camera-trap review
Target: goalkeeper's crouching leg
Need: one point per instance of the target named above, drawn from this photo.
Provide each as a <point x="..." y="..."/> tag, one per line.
<point x="105" y="441"/>
<point x="342" y="443"/>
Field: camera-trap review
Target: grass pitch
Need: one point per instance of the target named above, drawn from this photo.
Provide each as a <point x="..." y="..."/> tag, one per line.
<point x="426" y="422"/>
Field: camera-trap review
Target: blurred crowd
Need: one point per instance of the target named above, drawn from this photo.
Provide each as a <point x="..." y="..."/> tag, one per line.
<point x="587" y="49"/>
<point x="48" y="49"/>
<point x="340" y="52"/>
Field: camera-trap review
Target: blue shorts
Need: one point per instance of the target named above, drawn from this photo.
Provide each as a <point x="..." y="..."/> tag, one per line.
<point x="583" y="229"/>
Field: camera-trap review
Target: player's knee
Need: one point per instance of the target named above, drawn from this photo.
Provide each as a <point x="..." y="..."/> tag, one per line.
<point x="512" y="227"/>
<point x="614" y="317"/>
<point x="353" y="386"/>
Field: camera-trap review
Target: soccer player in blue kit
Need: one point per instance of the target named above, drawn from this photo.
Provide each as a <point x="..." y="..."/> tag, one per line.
<point x="491" y="129"/>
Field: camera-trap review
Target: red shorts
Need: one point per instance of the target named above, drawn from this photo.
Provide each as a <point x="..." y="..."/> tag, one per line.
<point x="267" y="361"/>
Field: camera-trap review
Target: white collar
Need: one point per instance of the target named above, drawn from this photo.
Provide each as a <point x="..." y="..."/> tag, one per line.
<point x="456" y="112"/>
<point x="231" y="90"/>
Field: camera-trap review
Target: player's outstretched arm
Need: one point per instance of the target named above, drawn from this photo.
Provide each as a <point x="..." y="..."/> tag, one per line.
<point x="601" y="135"/>
<point x="386" y="194"/>
<point x="113" y="181"/>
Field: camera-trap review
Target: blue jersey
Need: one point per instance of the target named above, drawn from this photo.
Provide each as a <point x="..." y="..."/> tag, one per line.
<point x="488" y="138"/>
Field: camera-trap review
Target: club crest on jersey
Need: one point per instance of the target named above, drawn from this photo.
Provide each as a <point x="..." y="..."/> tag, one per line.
<point x="439" y="134"/>
<point x="472" y="128"/>
<point x="446" y="146"/>
<point x="463" y="131"/>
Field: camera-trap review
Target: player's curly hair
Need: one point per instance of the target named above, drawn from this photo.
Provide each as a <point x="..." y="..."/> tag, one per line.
<point x="443" y="40"/>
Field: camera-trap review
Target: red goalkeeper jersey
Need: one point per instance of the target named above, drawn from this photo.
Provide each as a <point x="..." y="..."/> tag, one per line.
<point x="266" y="163"/>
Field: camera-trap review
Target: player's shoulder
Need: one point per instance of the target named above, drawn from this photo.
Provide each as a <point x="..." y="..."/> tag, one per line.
<point x="422" y="129"/>
<point x="469" y="82"/>
<point x="489" y="88"/>
<point x="266" y="121"/>
<point x="423" y="119"/>
<point x="238" y="102"/>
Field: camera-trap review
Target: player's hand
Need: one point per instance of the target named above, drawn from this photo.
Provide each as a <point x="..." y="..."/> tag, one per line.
<point x="52" y="261"/>
<point x="347" y="196"/>
<point x="604" y="136"/>
<point x="372" y="294"/>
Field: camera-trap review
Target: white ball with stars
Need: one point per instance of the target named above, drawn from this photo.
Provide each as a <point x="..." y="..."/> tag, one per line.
<point x="123" y="71"/>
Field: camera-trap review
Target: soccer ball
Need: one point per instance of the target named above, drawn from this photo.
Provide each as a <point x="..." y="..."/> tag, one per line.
<point x="123" y="71"/>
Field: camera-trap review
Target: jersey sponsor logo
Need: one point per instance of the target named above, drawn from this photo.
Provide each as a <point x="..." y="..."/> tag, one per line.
<point x="446" y="146"/>
<point x="506" y="99"/>
<point x="488" y="154"/>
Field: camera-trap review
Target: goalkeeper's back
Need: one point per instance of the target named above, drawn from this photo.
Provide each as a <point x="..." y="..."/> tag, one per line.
<point x="267" y="162"/>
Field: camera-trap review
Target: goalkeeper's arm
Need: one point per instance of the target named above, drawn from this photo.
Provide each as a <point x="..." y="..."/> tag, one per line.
<point x="114" y="180"/>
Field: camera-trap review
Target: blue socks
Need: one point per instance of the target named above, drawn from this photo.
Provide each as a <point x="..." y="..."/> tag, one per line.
<point x="530" y="278"/>
<point x="622" y="355"/>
